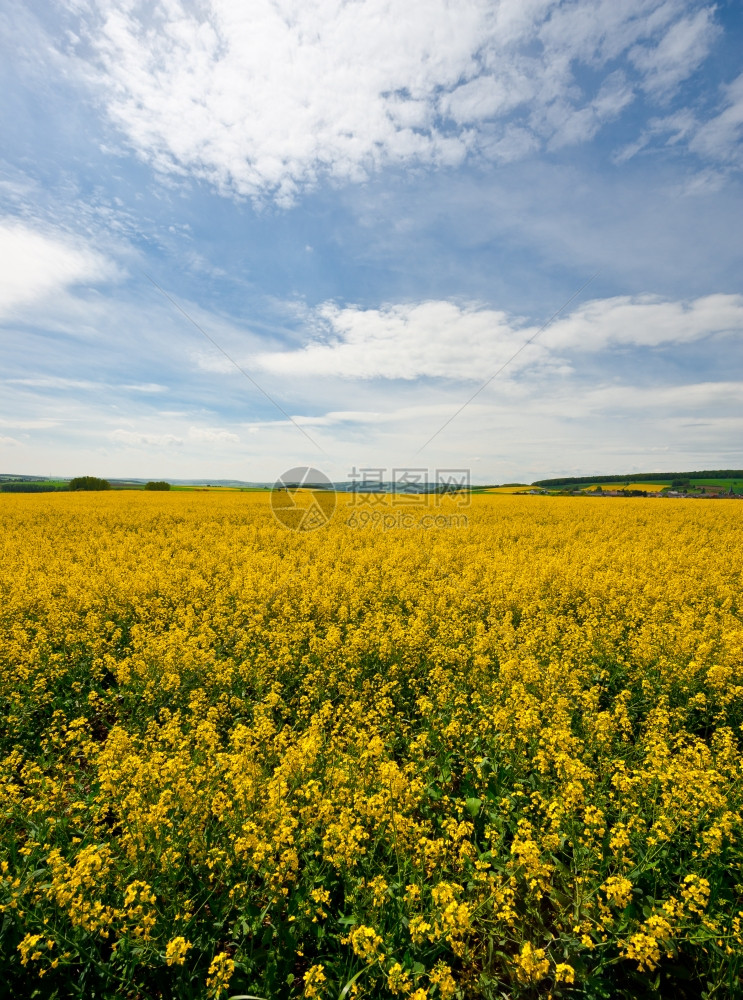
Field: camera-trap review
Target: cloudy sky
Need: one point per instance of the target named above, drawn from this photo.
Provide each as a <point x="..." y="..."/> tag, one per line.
<point x="369" y="208"/>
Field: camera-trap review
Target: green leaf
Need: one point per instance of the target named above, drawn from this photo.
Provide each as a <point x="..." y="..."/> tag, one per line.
<point x="350" y="982"/>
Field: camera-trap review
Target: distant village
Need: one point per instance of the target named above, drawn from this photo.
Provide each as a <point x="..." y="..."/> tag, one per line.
<point x="703" y="493"/>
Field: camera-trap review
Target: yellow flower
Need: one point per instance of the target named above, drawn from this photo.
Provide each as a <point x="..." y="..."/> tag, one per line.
<point x="220" y="973"/>
<point x="647" y="944"/>
<point x="532" y="964"/>
<point x="29" y="949"/>
<point x="695" y="893"/>
<point x="564" y="973"/>
<point x="618" y="891"/>
<point x="398" y="980"/>
<point x="314" y="977"/>
<point x="441" y="976"/>
<point x="175" y="953"/>
<point x="366" y="943"/>
<point x="237" y="715"/>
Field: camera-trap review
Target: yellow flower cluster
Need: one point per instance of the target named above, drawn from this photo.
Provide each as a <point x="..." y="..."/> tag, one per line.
<point x="496" y="758"/>
<point x="313" y="980"/>
<point x="175" y="952"/>
<point x="366" y="943"/>
<point x="532" y="964"/>
<point x="220" y="973"/>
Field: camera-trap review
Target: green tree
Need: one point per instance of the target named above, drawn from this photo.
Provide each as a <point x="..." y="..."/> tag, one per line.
<point x="89" y="483"/>
<point x="159" y="485"/>
<point x="27" y="488"/>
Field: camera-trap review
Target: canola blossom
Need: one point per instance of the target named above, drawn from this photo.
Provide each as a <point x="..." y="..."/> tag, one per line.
<point x="497" y="759"/>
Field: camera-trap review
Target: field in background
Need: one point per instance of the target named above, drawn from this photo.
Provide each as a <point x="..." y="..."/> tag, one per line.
<point x="649" y="487"/>
<point x="505" y="489"/>
<point x="737" y="484"/>
<point x="501" y="759"/>
<point x="219" y="489"/>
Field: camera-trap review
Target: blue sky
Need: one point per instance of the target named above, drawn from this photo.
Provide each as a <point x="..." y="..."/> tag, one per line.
<point x="371" y="207"/>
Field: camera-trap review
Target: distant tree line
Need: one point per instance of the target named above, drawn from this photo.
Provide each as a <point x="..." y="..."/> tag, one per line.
<point x="31" y="488"/>
<point x="85" y="483"/>
<point x="643" y="477"/>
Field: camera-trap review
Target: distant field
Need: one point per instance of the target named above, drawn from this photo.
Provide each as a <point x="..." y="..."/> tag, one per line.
<point x="650" y="487"/>
<point x="737" y="484"/>
<point x="656" y="486"/>
<point x="508" y="489"/>
<point x="219" y="489"/>
<point x="59" y="483"/>
<point x="62" y="484"/>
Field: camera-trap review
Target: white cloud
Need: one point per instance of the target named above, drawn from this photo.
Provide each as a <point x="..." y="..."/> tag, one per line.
<point x="513" y="143"/>
<point x="38" y="264"/>
<point x="213" y="435"/>
<point x="703" y="182"/>
<point x="195" y="435"/>
<point x="685" y="398"/>
<point x="54" y="382"/>
<point x="335" y="418"/>
<point x="59" y="382"/>
<point x="645" y="321"/>
<point x="266" y="97"/>
<point x="716" y="139"/>
<point x="436" y="338"/>
<point x="678" y="54"/>
<point x="23" y="425"/>
<point x="441" y="339"/>
<point x="562" y="401"/>
<point x="719" y="138"/>
<point x="146" y="387"/>
<point x="141" y="438"/>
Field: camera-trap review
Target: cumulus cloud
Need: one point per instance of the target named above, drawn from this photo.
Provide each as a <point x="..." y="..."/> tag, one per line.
<point x="441" y="339"/>
<point x="38" y="263"/>
<point x="436" y="338"/>
<point x="262" y="99"/>
<point x="645" y="321"/>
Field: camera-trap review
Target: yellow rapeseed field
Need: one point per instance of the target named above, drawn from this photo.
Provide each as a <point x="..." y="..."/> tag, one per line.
<point x="497" y="759"/>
